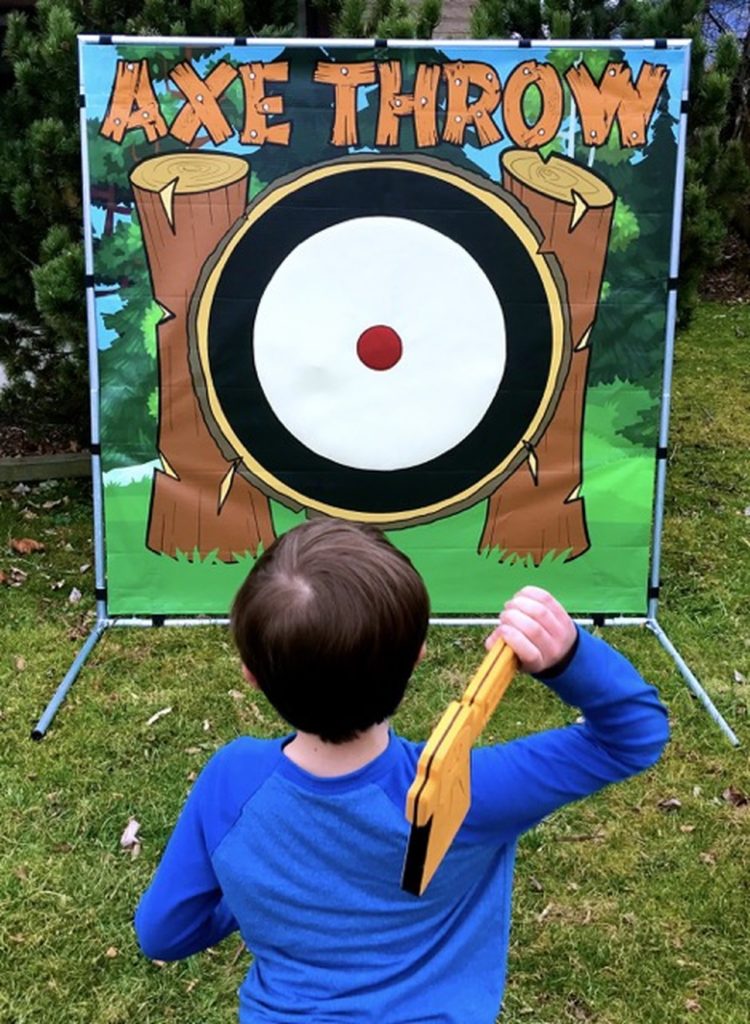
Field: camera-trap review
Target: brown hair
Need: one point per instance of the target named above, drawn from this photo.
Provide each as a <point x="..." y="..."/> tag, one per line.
<point x="330" y="621"/>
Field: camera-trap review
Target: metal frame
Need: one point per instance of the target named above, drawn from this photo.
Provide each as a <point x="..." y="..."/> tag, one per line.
<point x="650" y="621"/>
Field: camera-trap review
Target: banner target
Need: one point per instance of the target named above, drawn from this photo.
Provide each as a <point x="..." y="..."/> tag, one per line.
<point x="362" y="341"/>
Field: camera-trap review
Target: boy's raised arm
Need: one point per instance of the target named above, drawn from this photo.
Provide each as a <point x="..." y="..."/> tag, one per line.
<point x="624" y="730"/>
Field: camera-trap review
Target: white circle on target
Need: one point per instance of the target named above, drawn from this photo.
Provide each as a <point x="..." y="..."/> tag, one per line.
<point x="379" y="343"/>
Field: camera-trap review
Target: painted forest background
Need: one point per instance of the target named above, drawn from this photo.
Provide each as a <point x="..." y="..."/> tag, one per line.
<point x="631" y="321"/>
<point x="42" y="309"/>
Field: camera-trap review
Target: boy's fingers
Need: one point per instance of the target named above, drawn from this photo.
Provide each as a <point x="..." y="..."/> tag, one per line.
<point x="537" y="627"/>
<point x="526" y="652"/>
<point x="495" y="635"/>
<point x="538" y="619"/>
<point x="546" y="599"/>
<point x="549" y="619"/>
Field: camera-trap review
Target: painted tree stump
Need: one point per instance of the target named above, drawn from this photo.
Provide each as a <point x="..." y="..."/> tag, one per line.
<point x="540" y="511"/>
<point x="199" y="504"/>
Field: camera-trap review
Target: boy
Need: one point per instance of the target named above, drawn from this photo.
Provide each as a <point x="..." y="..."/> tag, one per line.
<point x="299" y="842"/>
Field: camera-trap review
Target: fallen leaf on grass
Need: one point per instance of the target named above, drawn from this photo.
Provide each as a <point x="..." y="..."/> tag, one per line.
<point x="206" y="725"/>
<point x="709" y="857"/>
<point x="579" y="1009"/>
<point x="57" y="585"/>
<point x="191" y="985"/>
<point x="693" y="1005"/>
<point x="75" y="596"/>
<point x="17" y="938"/>
<point x="543" y="914"/>
<point x="82" y="628"/>
<point x="697" y="790"/>
<point x="192" y="776"/>
<point x="26" y="545"/>
<point x="17" y="577"/>
<point x="687" y="828"/>
<point x="670" y="803"/>
<point x="27" y="514"/>
<point x="238" y="954"/>
<point x="738" y="677"/>
<point x="112" y="952"/>
<point x="20" y="663"/>
<point x="159" y="963"/>
<point x="85" y="568"/>
<point x="129" y="839"/>
<point x="236" y="694"/>
<point x="159" y="714"/>
<point x="254" y="711"/>
<point x="735" y="797"/>
<point x="535" y="884"/>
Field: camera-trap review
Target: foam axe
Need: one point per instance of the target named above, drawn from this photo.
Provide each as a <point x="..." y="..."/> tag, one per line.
<point x="439" y="798"/>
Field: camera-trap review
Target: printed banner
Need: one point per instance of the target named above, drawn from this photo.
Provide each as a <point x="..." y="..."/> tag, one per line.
<point x="422" y="286"/>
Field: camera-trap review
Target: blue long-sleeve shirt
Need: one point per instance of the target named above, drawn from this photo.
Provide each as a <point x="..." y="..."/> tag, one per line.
<point x="308" y="868"/>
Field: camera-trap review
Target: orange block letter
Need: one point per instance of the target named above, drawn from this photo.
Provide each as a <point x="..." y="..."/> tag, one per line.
<point x="201" y="107"/>
<point x="460" y="113"/>
<point x="394" y="104"/>
<point x="615" y="98"/>
<point x="346" y="80"/>
<point x="547" y="80"/>
<point x="258" y="106"/>
<point x="133" y="104"/>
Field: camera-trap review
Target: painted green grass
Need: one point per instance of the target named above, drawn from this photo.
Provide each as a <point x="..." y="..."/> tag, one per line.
<point x="610" y="577"/>
<point x="624" y="914"/>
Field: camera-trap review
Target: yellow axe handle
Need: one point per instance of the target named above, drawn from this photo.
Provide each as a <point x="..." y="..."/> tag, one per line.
<point x="439" y="798"/>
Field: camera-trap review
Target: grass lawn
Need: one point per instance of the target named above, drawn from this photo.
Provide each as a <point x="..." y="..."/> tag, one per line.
<point x="625" y="913"/>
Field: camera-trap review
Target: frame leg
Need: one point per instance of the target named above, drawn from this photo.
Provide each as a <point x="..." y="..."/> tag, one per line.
<point x="691" y="681"/>
<point x="70" y="676"/>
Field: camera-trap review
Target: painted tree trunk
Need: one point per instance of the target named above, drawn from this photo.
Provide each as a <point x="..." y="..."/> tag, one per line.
<point x="199" y="504"/>
<point x="539" y="510"/>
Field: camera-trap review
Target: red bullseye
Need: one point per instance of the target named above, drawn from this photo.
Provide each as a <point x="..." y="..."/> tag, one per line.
<point x="379" y="348"/>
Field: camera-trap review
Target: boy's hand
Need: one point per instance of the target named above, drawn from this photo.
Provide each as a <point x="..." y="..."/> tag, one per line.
<point x="537" y="628"/>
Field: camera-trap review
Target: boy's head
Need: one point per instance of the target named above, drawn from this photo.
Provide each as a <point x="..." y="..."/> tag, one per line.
<point x="331" y="622"/>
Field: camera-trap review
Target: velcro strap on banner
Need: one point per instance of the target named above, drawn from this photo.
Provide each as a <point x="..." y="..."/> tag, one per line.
<point x="81" y="101"/>
<point x="660" y="44"/>
<point x="240" y="41"/>
<point x="672" y="283"/>
<point x="597" y="619"/>
<point x="95" y="448"/>
<point x="381" y="44"/>
<point x="524" y="44"/>
<point x="661" y="453"/>
<point x="157" y="620"/>
<point x="105" y="40"/>
<point x="100" y="593"/>
<point x="684" y="106"/>
<point x="653" y="592"/>
<point x="88" y="281"/>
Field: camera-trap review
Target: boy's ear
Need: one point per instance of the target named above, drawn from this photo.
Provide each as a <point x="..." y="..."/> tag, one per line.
<point x="422" y="652"/>
<point x="249" y="677"/>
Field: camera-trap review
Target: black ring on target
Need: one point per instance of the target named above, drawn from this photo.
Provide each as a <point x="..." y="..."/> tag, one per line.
<point x="333" y="199"/>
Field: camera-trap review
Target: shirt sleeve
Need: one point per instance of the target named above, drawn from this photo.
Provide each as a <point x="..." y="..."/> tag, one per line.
<point x="182" y="911"/>
<point x="515" y="785"/>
